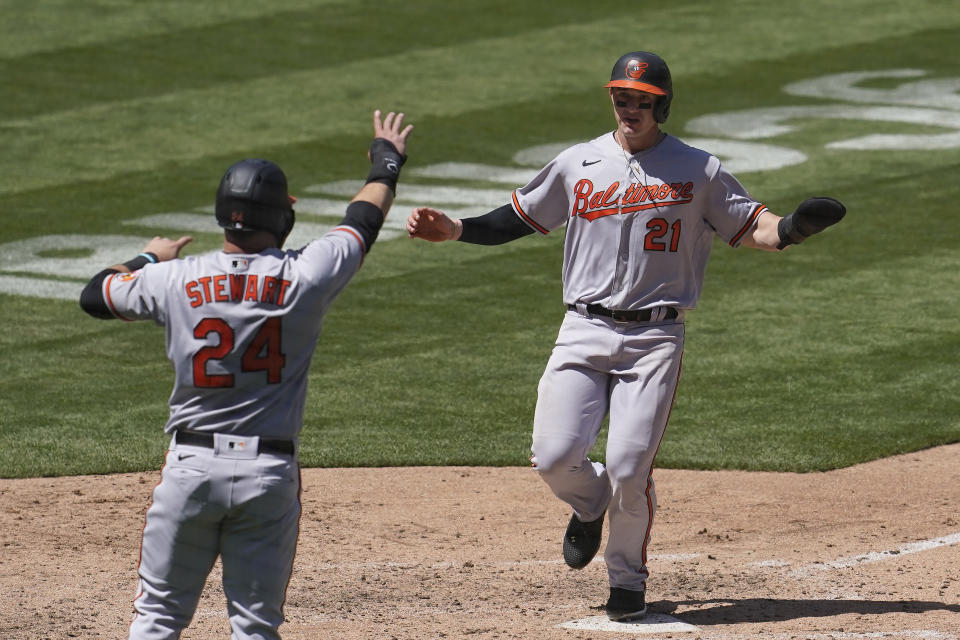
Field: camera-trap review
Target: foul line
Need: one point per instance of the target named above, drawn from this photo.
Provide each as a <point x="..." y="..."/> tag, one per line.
<point x="877" y="556"/>
<point x="667" y="557"/>
<point x="839" y="563"/>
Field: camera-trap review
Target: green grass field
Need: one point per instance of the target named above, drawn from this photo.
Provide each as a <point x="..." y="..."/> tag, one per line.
<point x="839" y="351"/>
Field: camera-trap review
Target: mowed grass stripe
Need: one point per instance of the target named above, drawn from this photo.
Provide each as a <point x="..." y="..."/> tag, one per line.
<point x="804" y="361"/>
<point x="813" y="411"/>
<point x="764" y="368"/>
<point x="32" y="26"/>
<point x="240" y="48"/>
<point x="141" y="134"/>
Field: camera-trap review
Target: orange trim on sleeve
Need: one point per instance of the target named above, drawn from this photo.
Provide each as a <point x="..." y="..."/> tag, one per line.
<point x="750" y="223"/>
<point x="354" y="234"/>
<point x="109" y="300"/>
<point x="526" y="218"/>
<point x="358" y="239"/>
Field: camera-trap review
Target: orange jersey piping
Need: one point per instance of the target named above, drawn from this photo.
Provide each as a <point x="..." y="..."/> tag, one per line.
<point x="526" y="218"/>
<point x="109" y="299"/>
<point x="750" y="223"/>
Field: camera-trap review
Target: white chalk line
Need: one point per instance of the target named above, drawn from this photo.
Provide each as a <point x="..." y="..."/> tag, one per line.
<point x="799" y="572"/>
<point x="670" y="557"/>
<point x="877" y="556"/>
<point x="656" y="623"/>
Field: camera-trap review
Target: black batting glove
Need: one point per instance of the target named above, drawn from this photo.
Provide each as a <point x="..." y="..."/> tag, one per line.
<point x="813" y="215"/>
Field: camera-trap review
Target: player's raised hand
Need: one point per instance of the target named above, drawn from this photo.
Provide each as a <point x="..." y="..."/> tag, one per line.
<point x="391" y="129"/>
<point x="432" y="225"/>
<point x="165" y="248"/>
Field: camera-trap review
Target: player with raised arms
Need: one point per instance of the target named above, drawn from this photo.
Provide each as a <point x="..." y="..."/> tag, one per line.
<point x="641" y="210"/>
<point x="241" y="328"/>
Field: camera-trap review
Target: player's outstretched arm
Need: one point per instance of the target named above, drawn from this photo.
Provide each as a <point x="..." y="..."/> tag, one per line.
<point x="159" y="249"/>
<point x="764" y="235"/>
<point x="813" y="215"/>
<point x="433" y="225"/>
<point x="497" y="227"/>
<point x="387" y="153"/>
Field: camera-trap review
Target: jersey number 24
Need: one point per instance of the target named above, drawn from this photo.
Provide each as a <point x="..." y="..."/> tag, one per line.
<point x="262" y="354"/>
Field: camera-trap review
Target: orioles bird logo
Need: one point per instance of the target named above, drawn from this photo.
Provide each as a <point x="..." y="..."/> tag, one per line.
<point x="237" y="218"/>
<point x="635" y="69"/>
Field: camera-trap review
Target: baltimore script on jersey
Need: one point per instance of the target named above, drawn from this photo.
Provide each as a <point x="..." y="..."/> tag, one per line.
<point x="591" y="203"/>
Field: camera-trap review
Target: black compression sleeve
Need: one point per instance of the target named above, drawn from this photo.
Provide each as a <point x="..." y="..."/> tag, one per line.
<point x="366" y="218"/>
<point x="497" y="227"/>
<point x="91" y="298"/>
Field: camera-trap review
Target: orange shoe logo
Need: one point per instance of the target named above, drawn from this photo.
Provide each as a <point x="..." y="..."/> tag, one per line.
<point x="635" y="69"/>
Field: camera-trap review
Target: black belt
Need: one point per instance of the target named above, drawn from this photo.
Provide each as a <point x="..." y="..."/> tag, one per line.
<point x="201" y="439"/>
<point x="639" y="315"/>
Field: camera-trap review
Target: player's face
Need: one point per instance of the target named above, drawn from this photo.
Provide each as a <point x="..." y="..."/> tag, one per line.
<point x="634" y="111"/>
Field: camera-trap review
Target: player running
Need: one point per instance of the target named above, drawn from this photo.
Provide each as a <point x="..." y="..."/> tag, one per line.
<point x="641" y="209"/>
<point x="241" y="327"/>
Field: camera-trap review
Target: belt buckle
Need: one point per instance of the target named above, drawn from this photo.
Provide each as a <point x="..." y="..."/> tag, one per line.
<point x="619" y="316"/>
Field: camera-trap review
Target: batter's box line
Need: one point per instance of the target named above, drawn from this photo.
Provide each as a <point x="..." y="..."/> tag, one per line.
<point x="876" y="556"/>
<point x="674" y="557"/>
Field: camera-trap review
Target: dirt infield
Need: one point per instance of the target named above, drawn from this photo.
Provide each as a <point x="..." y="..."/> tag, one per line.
<point x="872" y="551"/>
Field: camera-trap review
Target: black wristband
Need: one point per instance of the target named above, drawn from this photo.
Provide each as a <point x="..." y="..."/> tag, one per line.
<point x="141" y="261"/>
<point x="387" y="161"/>
<point x="788" y="232"/>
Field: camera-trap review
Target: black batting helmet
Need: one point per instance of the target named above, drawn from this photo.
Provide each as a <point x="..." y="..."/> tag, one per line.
<point x="645" y="71"/>
<point x="253" y="195"/>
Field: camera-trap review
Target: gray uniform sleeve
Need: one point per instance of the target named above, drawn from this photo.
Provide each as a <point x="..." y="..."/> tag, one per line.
<point x="731" y="211"/>
<point x="544" y="202"/>
<point x="137" y="295"/>
<point x="331" y="261"/>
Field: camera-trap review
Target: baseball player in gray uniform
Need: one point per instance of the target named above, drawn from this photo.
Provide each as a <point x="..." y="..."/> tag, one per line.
<point x="641" y="210"/>
<point x="241" y="327"/>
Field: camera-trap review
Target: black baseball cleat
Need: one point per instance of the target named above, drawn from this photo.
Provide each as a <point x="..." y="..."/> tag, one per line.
<point x="581" y="541"/>
<point x="625" y="605"/>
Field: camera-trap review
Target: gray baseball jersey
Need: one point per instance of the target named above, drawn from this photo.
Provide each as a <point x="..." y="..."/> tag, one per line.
<point x="639" y="233"/>
<point x="639" y="228"/>
<point x="237" y="321"/>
